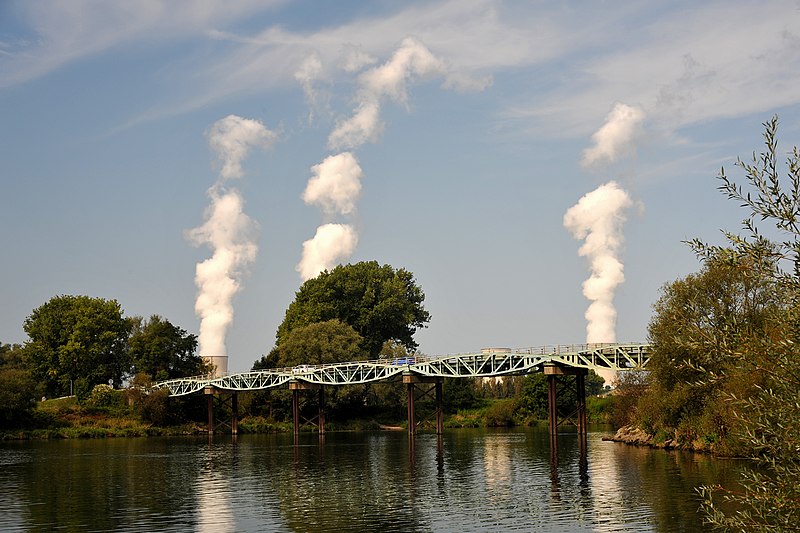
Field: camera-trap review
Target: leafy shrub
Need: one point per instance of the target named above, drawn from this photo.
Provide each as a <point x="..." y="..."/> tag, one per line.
<point x="599" y="409"/>
<point x="18" y="393"/>
<point x="501" y="413"/>
<point x="104" y="396"/>
<point x="154" y="407"/>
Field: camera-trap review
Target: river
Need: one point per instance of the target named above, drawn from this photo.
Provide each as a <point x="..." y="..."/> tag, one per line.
<point x="469" y="480"/>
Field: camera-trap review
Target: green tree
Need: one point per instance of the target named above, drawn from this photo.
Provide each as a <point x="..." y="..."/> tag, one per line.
<point x="331" y="341"/>
<point x="162" y="350"/>
<point x="593" y="383"/>
<point x="11" y="356"/>
<point x="532" y="401"/>
<point x="267" y="361"/>
<point x="379" y="302"/>
<point x="18" y="390"/>
<point x="77" y="340"/>
<point x="698" y="322"/>
<point x="459" y="393"/>
<point x="770" y="499"/>
<point x="629" y="387"/>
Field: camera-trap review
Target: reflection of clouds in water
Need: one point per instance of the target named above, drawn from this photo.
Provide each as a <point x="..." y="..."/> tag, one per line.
<point x="614" y="487"/>
<point x="480" y="480"/>
<point x="497" y="466"/>
<point x="213" y="497"/>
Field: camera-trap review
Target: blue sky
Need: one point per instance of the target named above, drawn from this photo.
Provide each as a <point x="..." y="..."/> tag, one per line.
<point x="474" y="160"/>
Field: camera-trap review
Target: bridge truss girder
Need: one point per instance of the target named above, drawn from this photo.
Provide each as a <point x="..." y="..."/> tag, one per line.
<point x="484" y="364"/>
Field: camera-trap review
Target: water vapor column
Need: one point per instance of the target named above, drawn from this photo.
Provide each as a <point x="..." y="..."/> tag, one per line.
<point x="336" y="184"/>
<point x="598" y="219"/>
<point x="228" y="232"/>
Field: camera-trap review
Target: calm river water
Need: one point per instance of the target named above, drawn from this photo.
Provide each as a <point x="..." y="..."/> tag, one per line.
<point x="471" y="480"/>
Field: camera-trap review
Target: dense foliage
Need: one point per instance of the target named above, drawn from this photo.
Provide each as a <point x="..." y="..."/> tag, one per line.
<point x="331" y="341"/>
<point x="699" y="321"/>
<point x="162" y="350"/>
<point x="726" y="366"/>
<point x="18" y="390"/>
<point x="85" y="346"/>
<point x="378" y="302"/>
<point x="770" y="499"/>
<point x="77" y="342"/>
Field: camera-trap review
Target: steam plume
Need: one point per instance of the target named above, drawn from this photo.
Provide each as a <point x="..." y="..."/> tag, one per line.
<point x="598" y="218"/>
<point x="229" y="232"/>
<point x="231" y="139"/>
<point x="410" y="61"/>
<point x="331" y="244"/>
<point x="336" y="184"/>
<point x="309" y="72"/>
<point x="616" y="135"/>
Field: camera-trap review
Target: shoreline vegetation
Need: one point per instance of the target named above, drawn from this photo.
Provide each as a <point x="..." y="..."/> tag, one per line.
<point x="66" y="418"/>
<point x="71" y="421"/>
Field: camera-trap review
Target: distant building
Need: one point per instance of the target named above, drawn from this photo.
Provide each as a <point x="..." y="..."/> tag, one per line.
<point x="496" y="379"/>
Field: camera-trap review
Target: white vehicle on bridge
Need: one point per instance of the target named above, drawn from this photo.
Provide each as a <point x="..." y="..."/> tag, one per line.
<point x="302" y="369"/>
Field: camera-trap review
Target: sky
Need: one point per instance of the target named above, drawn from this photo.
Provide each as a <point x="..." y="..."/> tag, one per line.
<point x="536" y="165"/>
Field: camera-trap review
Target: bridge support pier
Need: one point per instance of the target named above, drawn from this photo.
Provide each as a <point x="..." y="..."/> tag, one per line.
<point x="412" y="382"/>
<point x="553" y="372"/>
<point x="319" y="419"/>
<point x="230" y="398"/>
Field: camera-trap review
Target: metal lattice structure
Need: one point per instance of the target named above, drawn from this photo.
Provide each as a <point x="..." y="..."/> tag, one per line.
<point x="487" y="363"/>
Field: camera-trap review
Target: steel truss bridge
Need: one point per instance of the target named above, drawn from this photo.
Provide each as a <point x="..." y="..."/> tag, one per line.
<point x="487" y="363"/>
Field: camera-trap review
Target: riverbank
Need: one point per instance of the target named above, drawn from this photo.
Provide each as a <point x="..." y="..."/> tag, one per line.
<point x="65" y="418"/>
<point x="636" y="436"/>
<point x="114" y="415"/>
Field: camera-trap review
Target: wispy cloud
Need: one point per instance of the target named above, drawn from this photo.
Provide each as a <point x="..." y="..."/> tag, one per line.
<point x="64" y="32"/>
<point x="681" y="63"/>
<point x="693" y="63"/>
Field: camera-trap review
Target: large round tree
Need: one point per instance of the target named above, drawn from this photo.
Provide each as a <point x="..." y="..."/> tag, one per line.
<point x="378" y="302"/>
<point x="77" y="340"/>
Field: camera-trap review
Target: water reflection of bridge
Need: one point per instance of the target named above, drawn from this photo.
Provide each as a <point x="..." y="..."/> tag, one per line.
<point x="564" y="365"/>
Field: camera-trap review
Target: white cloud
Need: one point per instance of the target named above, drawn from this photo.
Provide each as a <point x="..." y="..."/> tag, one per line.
<point x="308" y="75"/>
<point x="411" y="61"/>
<point x="470" y="37"/>
<point x="228" y="232"/>
<point x="681" y="64"/>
